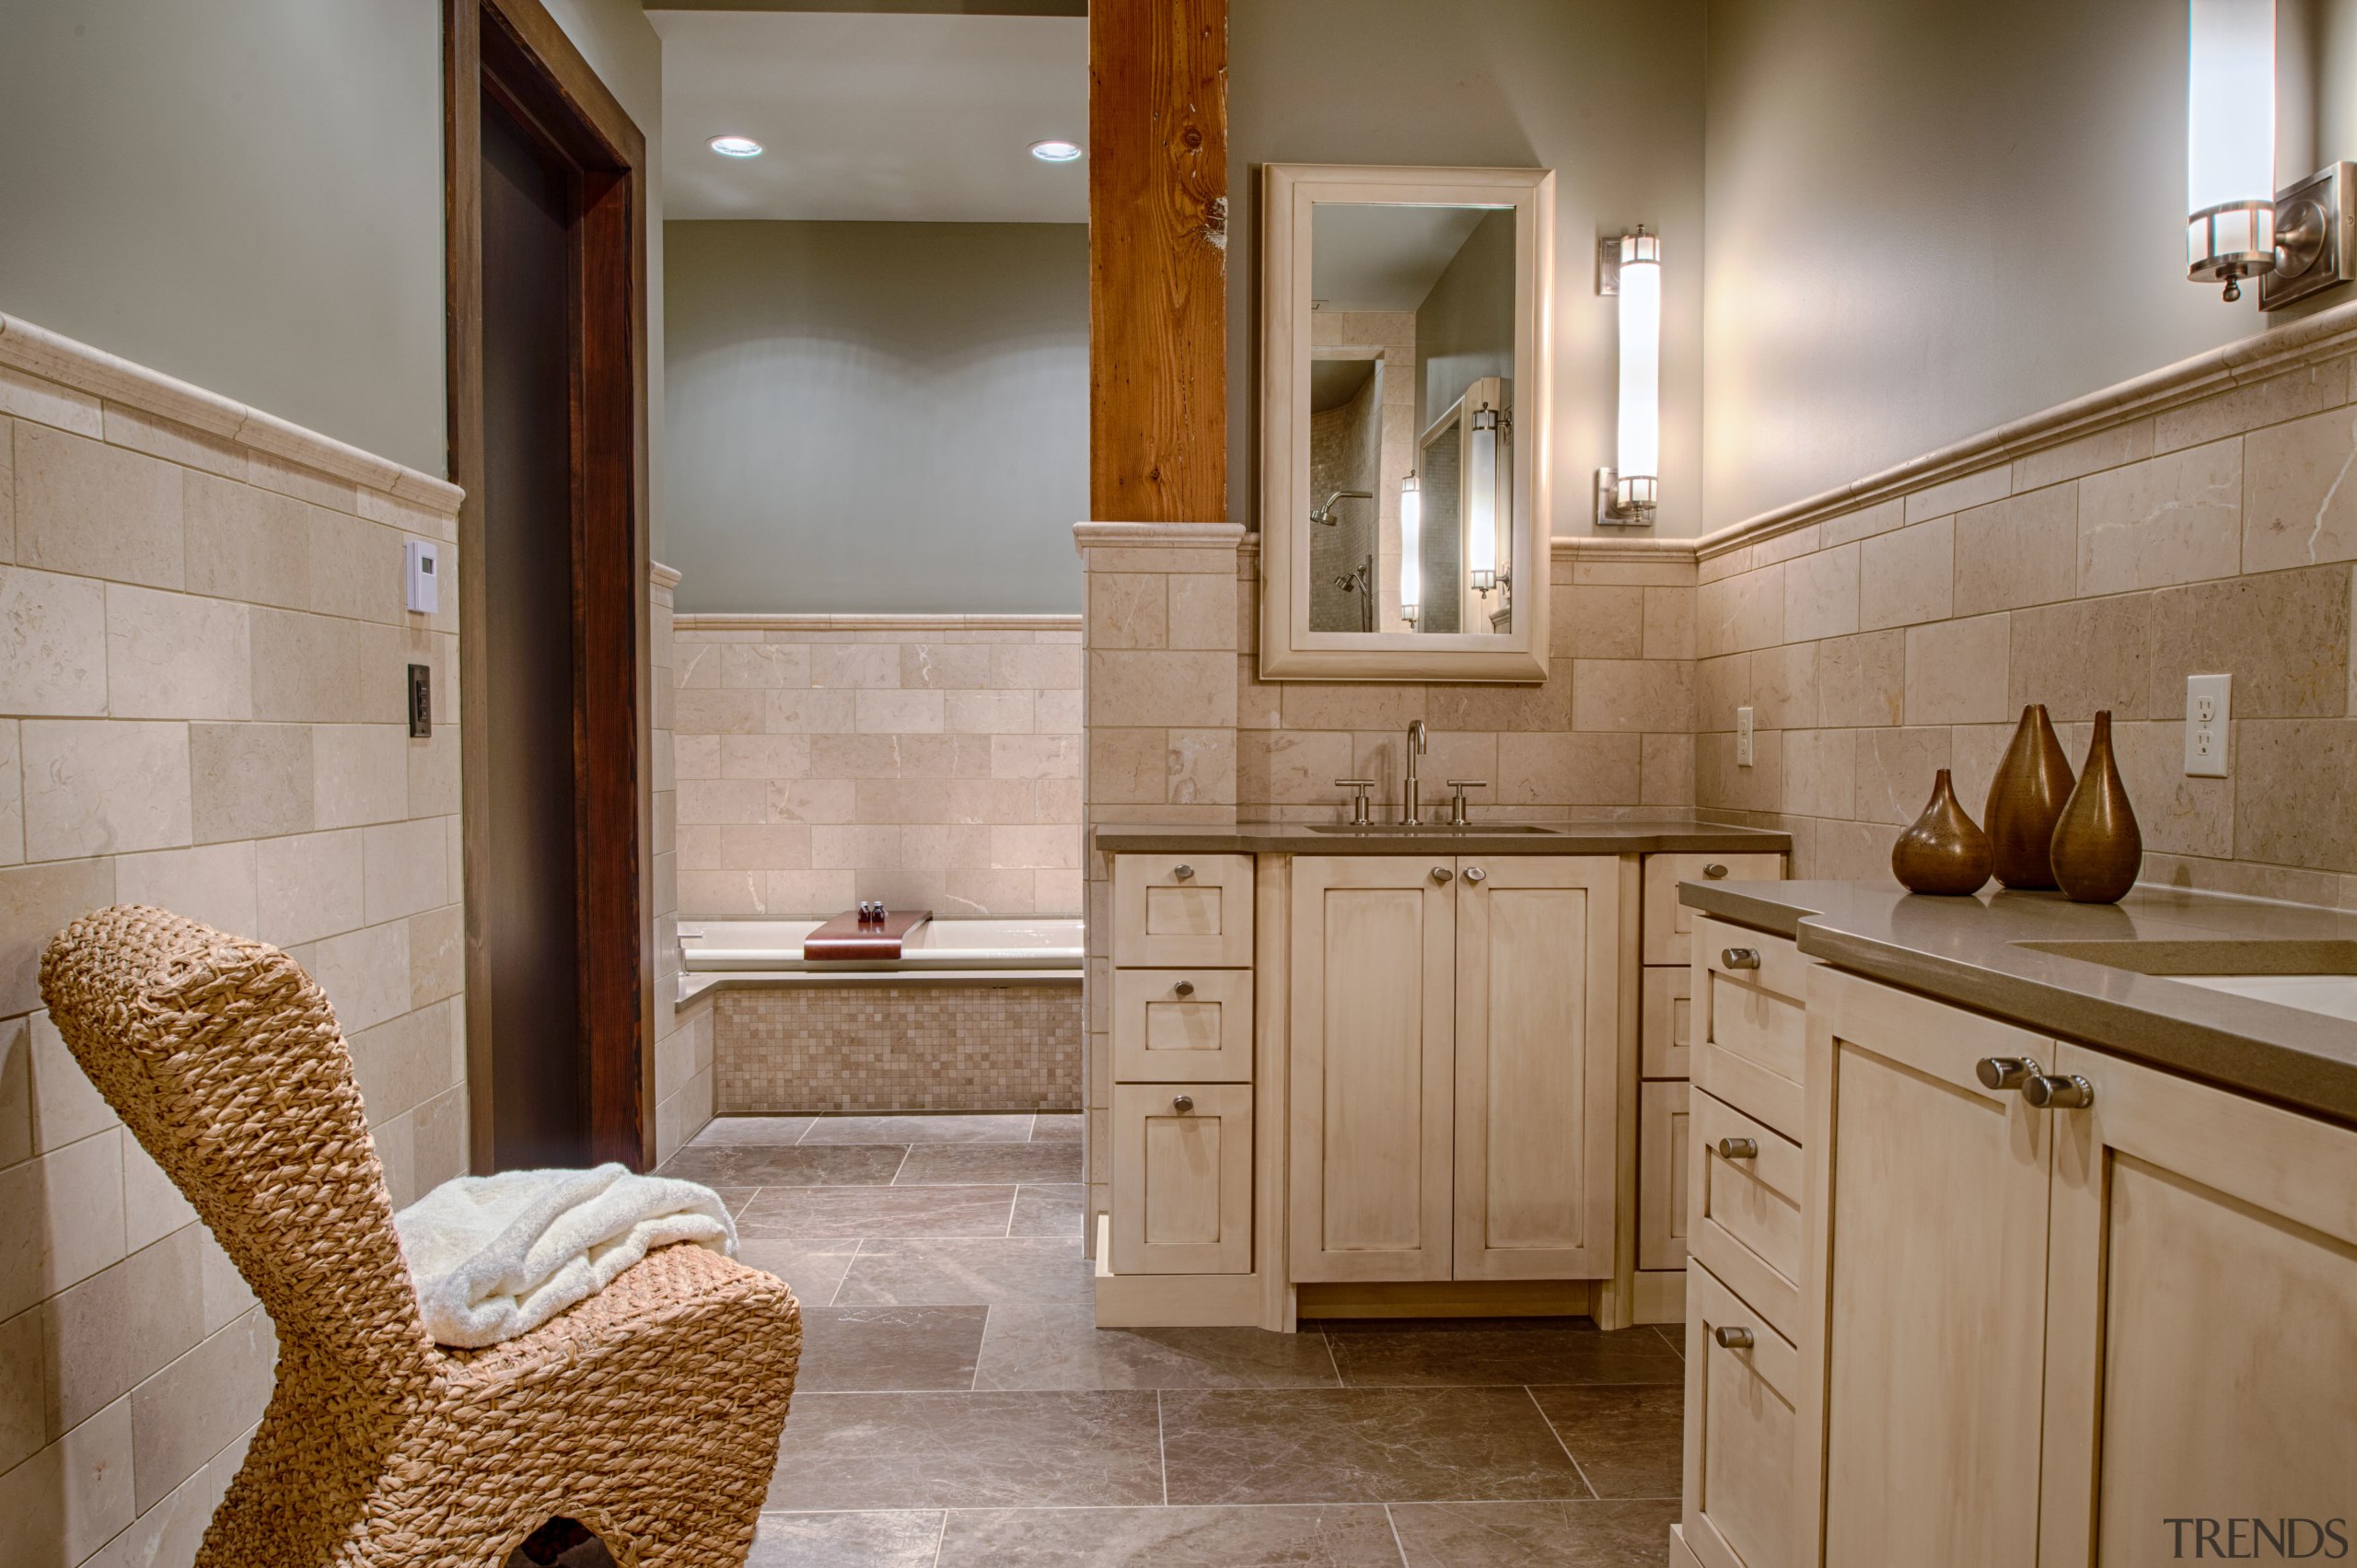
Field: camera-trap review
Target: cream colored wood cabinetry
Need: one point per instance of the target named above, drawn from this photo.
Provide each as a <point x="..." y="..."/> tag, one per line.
<point x="2041" y="1335"/>
<point x="1181" y="1106"/>
<point x="1453" y="1042"/>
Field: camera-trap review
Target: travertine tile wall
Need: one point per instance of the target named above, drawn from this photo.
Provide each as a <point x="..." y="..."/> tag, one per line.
<point x="927" y="761"/>
<point x="1181" y="729"/>
<point x="202" y="700"/>
<point x="1880" y="645"/>
<point x="683" y="1078"/>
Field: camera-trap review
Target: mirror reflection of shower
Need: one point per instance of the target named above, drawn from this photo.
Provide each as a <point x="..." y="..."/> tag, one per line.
<point x="1358" y="580"/>
<point x="1324" y="516"/>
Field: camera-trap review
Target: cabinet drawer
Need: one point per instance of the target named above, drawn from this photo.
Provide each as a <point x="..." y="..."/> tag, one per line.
<point x="1663" y="1129"/>
<point x="1747" y="1216"/>
<point x="1182" y="1179"/>
<point x="1750" y="1026"/>
<point x="1779" y="966"/>
<point x="1182" y="1026"/>
<point x="1668" y="922"/>
<point x="1739" y="1431"/>
<point x="1182" y="911"/>
<point x="1666" y="1020"/>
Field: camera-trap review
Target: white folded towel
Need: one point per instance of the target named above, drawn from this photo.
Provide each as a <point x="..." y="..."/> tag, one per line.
<point x="497" y="1256"/>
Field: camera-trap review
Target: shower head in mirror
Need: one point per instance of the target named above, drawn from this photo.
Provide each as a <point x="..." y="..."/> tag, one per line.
<point x="1325" y="516"/>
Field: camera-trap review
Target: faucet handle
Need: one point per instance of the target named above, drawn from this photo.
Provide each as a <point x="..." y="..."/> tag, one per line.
<point x="1359" y="815"/>
<point x="1456" y="817"/>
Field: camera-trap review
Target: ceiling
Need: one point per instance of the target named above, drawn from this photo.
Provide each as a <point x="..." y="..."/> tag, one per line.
<point x="1376" y="258"/>
<point x="874" y="116"/>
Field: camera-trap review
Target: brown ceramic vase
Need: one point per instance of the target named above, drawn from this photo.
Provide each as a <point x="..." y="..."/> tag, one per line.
<point x="1944" y="851"/>
<point x="2098" y="848"/>
<point x="2026" y="801"/>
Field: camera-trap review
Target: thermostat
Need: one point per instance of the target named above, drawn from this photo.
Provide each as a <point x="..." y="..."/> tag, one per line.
<point x="424" y="558"/>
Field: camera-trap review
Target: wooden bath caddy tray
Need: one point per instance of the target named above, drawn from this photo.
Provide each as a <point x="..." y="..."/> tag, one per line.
<point x="845" y="937"/>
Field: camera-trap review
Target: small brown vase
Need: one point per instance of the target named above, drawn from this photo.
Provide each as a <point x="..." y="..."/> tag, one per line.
<point x="2026" y="801"/>
<point x="2098" y="848"/>
<point x="1944" y="851"/>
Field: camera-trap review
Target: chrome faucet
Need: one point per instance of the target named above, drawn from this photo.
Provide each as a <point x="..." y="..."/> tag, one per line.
<point x="1410" y="804"/>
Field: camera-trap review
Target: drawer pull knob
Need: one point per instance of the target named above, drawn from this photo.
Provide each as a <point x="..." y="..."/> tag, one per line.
<point x="1733" y="1339"/>
<point x="2050" y="1091"/>
<point x="1714" y="871"/>
<point x="1182" y="872"/>
<point x="1739" y="957"/>
<point x="1442" y="874"/>
<point x="1738" y="1149"/>
<point x="2005" y="1072"/>
<point x="1475" y="874"/>
<point x="1184" y="988"/>
<point x="1182" y="1103"/>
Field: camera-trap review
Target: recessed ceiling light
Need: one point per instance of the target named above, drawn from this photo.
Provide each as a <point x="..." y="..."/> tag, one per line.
<point x="737" y="146"/>
<point x="1055" y="151"/>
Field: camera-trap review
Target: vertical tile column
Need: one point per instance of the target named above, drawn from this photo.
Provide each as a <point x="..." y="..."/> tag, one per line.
<point x="682" y="1051"/>
<point x="1158" y="702"/>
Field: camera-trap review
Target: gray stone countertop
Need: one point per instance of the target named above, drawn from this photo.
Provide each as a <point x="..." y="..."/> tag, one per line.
<point x="1570" y="836"/>
<point x="1974" y="952"/>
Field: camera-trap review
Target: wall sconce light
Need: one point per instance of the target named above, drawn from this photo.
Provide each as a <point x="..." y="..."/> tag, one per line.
<point x="1627" y="494"/>
<point x="1481" y="503"/>
<point x="1412" y="544"/>
<point x="2229" y="142"/>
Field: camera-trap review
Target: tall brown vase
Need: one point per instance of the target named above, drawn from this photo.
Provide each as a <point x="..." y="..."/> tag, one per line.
<point x="2098" y="848"/>
<point x="2026" y="801"/>
<point x="1944" y="851"/>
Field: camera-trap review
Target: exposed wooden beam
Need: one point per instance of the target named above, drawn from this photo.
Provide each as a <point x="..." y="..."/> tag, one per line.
<point x="1157" y="260"/>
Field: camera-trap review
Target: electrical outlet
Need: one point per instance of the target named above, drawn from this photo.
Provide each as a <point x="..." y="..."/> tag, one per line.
<point x="2208" y="710"/>
<point x="421" y="701"/>
<point x="1743" y="738"/>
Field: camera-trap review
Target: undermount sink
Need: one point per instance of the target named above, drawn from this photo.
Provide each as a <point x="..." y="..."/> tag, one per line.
<point x="1487" y="829"/>
<point x="2312" y="976"/>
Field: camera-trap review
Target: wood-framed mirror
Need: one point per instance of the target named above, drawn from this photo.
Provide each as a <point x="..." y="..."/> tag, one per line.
<point x="1403" y="522"/>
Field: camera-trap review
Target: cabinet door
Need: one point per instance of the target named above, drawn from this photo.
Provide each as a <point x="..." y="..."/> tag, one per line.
<point x="1182" y="1179"/>
<point x="1664" y="1129"/>
<point x="1538" y="1031"/>
<point x="1371" y="1003"/>
<point x="1182" y="911"/>
<point x="1930" y="1195"/>
<point x="2201" y="1326"/>
<point x="1669" y="922"/>
<point x="1740" y="1375"/>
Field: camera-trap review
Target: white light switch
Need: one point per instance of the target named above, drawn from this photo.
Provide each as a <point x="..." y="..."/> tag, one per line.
<point x="2208" y="708"/>
<point x="1743" y="738"/>
<point x="420" y="578"/>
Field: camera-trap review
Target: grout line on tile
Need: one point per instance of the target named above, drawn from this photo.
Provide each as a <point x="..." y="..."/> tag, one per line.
<point x="1558" y="1437"/>
<point x="1397" y="1544"/>
<point x="940" y="1536"/>
<point x="1161" y="1449"/>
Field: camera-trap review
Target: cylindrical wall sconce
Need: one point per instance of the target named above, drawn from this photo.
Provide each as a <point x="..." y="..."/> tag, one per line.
<point x="2229" y="142"/>
<point x="1627" y="494"/>
<point x="1481" y="503"/>
<point x="1412" y="547"/>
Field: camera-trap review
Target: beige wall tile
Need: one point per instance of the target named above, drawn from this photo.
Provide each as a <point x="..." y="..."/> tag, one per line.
<point x="705" y="895"/>
<point x="1974" y="751"/>
<point x="837" y="848"/>
<point x="1041" y="666"/>
<point x="325" y="669"/>
<point x="812" y="800"/>
<point x="2285" y="636"/>
<point x="1600" y="622"/>
<point x="1310" y="704"/>
<point x="28" y="396"/>
<point x="1593" y="769"/>
<point x="791" y="895"/>
<point x="36" y="902"/>
<point x="194" y="1408"/>
<point x="1202" y="611"/>
<point x="436" y="955"/>
<point x="1821" y="594"/>
<point x="308" y="886"/>
<point x="105" y="1335"/>
<point x="171" y="1531"/>
<point x="61" y="1219"/>
<point x="404" y="867"/>
<point x="2105" y="449"/>
<point x="811" y="712"/>
<point x="12" y="795"/>
<point x="1741" y="612"/>
<point x="1955" y="495"/>
<point x="152" y="1206"/>
<point x="2304" y="391"/>
<point x="1291" y="766"/>
<point x="1547" y="706"/>
<point x="359" y="774"/>
<point x="2294" y="801"/>
<point x="1894" y="769"/>
<point x="1203" y="766"/>
<point x="2084" y="655"/>
<point x="2301" y="508"/>
<point x="249" y="781"/>
<point x="764" y="665"/>
<point x="1001" y="800"/>
<point x="1190" y="690"/>
<point x="1669" y="624"/>
<point x="2021" y="551"/>
<point x="52" y="644"/>
<point x="434" y="774"/>
<point x="1718" y="783"/>
<point x="63" y="1505"/>
<point x="709" y="710"/>
<point x="1721" y="685"/>
<point x="95" y="510"/>
<point x="405" y="1061"/>
<point x="365" y="974"/>
<point x="744" y="757"/>
<point x="873" y="666"/>
<point x="1632" y="695"/>
<point x="1128" y="610"/>
<point x="94" y="786"/>
<point x="356" y="567"/>
<point x="67" y="1106"/>
<point x="694" y="665"/>
<point x="898" y="712"/>
<point x="1784" y="686"/>
<point x="945" y="665"/>
<point x="2175" y="814"/>
<point x="24" y="1422"/>
<point x="214" y="883"/>
<point x="939" y="847"/>
<point x="902" y="800"/>
<point x="1128" y="766"/>
<point x="1047" y="849"/>
<point x="860" y="756"/>
<point x="1865" y="523"/>
<point x="2171" y="519"/>
<point x="1667" y="770"/>
<point x="1908" y="576"/>
<point x="1957" y="671"/>
<point x="1857" y="851"/>
<point x="699" y="756"/>
<point x="15" y="1098"/>
<point x="1819" y="772"/>
<point x="703" y="802"/>
<point x="989" y="713"/>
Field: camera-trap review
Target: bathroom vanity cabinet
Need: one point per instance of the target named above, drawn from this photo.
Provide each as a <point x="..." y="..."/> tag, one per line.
<point x="2001" y="1296"/>
<point x="1414" y="1075"/>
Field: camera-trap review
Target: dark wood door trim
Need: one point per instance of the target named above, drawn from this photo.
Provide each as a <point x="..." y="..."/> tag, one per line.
<point x="515" y="51"/>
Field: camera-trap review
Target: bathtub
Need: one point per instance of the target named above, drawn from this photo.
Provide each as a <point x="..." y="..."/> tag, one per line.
<point x="775" y="946"/>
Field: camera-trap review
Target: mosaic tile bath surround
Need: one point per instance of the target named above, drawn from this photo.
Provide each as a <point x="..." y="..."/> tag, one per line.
<point x="897" y="1048"/>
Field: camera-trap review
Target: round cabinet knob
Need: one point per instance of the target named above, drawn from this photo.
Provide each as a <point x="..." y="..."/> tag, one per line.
<point x="1733" y="1339"/>
<point x="2049" y="1091"/>
<point x="1714" y="871"/>
<point x="1182" y="872"/>
<point x="1184" y="988"/>
<point x="2003" y="1071"/>
<point x="1442" y="874"/>
<point x="1738" y="1149"/>
<point x="1182" y="1103"/>
<point x="1738" y="957"/>
<point x="1475" y="874"/>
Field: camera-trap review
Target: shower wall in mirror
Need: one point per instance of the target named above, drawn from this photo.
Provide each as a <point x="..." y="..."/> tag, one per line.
<point x="1399" y="306"/>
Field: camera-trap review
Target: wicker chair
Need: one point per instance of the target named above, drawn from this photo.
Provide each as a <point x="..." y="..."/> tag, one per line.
<point x="650" y="1411"/>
